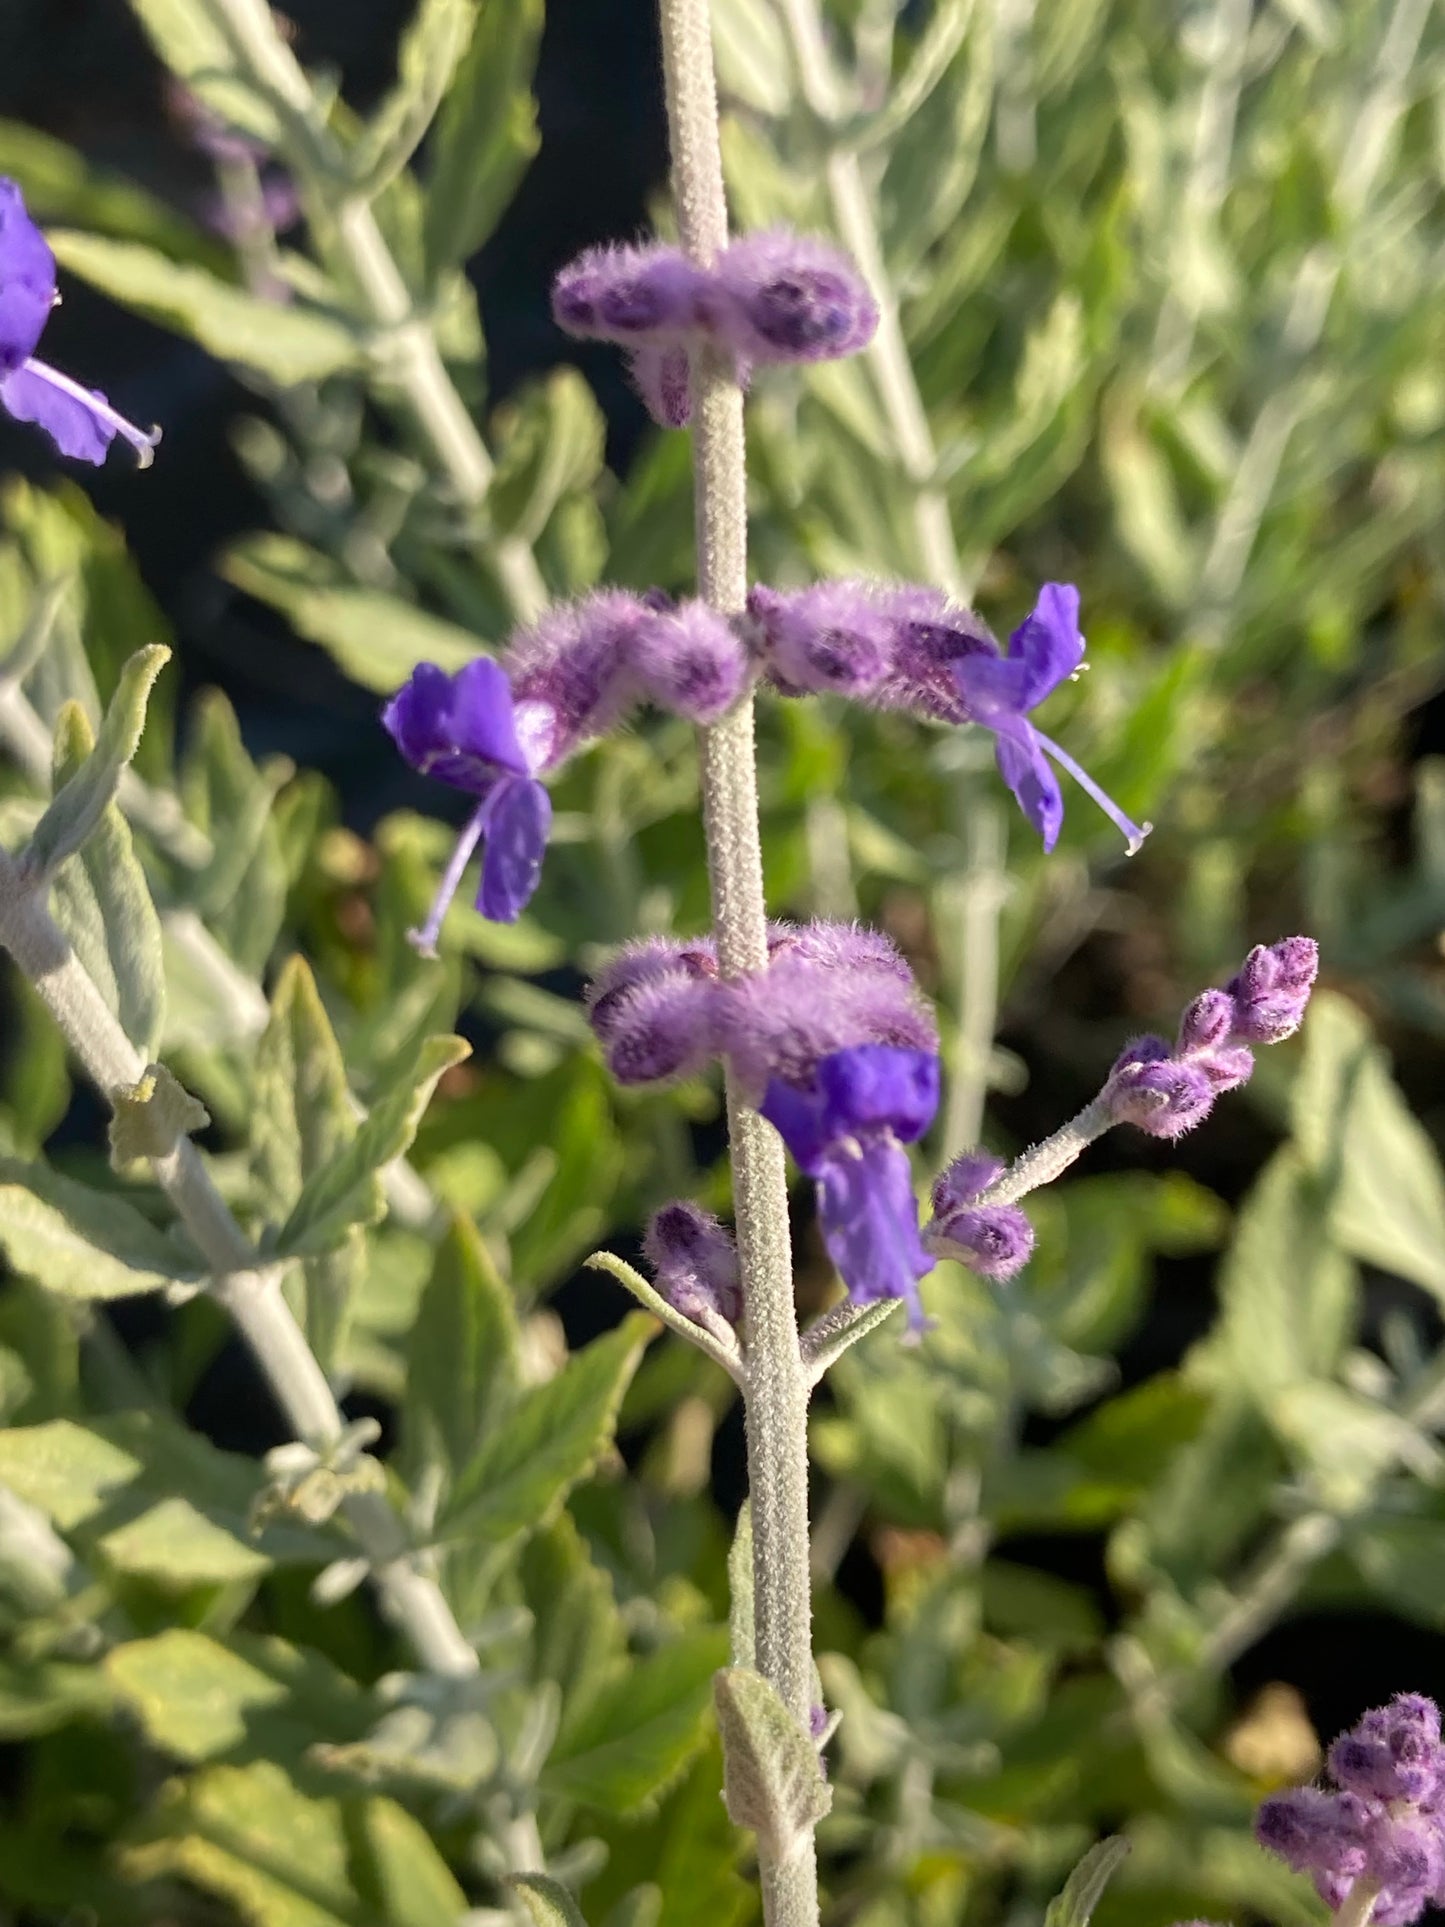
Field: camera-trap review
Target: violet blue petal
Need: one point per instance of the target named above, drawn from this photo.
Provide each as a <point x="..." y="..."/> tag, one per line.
<point x="878" y="1086"/>
<point x="869" y="1220"/>
<point x="1047" y="642"/>
<point x="1024" y="767"/>
<point x="27" y="281"/>
<point x="518" y="819"/>
<point x="460" y="729"/>
<point x="80" y="421"/>
<point x="798" y="1117"/>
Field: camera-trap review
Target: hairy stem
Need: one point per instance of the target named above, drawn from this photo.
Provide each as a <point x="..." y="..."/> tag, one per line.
<point x="777" y="1394"/>
<point x="250" y="1291"/>
<point x="1042" y="1163"/>
<point x="888" y="356"/>
<point x="415" y="364"/>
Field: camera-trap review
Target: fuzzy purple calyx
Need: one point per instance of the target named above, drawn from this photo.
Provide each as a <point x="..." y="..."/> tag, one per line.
<point x="846" y="1129"/>
<point x="1384" y="1825"/>
<point x="1160" y="1094"/>
<point x="573" y="671"/>
<point x="1272" y="989"/>
<point x="994" y="1240"/>
<point x="690" y="661"/>
<point x="628" y="294"/>
<point x="80" y="421"/>
<point x="784" y="297"/>
<point x="653" y="1007"/>
<point x="695" y="1259"/>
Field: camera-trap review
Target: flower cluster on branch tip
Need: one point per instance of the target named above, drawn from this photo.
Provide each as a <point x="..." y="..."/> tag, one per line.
<point x="80" y="421"/>
<point x="774" y="297"/>
<point x="1385" y="1821"/>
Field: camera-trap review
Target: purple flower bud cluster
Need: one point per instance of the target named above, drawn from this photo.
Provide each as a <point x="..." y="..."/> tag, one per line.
<point x="995" y="1240"/>
<point x="1166" y="1090"/>
<point x="493" y="729"/>
<point x="696" y="1262"/>
<point x="833" y="1043"/>
<point x="774" y="297"/>
<point x="1385" y="1823"/>
<point x="899" y="646"/>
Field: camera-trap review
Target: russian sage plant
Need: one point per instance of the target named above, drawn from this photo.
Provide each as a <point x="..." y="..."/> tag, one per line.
<point x="542" y="1712"/>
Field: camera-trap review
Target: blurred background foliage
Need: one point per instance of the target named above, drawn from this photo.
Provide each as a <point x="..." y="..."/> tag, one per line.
<point x="1119" y="1543"/>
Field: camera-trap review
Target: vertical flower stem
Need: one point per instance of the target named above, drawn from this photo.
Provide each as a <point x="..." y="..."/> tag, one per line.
<point x="777" y="1395"/>
<point x="1357" y="1906"/>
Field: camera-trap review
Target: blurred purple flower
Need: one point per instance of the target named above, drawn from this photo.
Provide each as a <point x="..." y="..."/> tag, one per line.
<point x="80" y="421"/>
<point x="462" y="729"/>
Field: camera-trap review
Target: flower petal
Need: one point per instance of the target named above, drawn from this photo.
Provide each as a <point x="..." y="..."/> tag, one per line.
<point x="518" y="819"/>
<point x="27" y="282"/>
<point x="80" y="421"/>
<point x="869" y="1220"/>
<point x="879" y="1086"/>
<point x="1048" y="642"/>
<point x="1024" y="767"/>
<point x="460" y="729"/>
<point x="798" y="1118"/>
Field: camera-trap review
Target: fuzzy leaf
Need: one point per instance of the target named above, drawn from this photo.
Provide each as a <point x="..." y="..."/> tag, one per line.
<point x="552" y="1437"/>
<point x="773" y="1780"/>
<point x="196" y="49"/>
<point x="462" y="1354"/>
<point x="486" y="132"/>
<point x="80" y="802"/>
<point x="637" y="1733"/>
<point x="151" y="1117"/>
<point x="554" y="448"/>
<point x="288" y="344"/>
<point x="548" y="1902"/>
<point x="83" y="1243"/>
<point x="434" y="41"/>
<point x="1075" y="1903"/>
<point x="346" y="1190"/>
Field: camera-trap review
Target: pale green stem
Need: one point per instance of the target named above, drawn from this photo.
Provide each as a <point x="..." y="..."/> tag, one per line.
<point x="414" y="360"/>
<point x="888" y="356"/>
<point x="981" y="895"/>
<point x="1042" y="1163"/>
<point x="776" y="1401"/>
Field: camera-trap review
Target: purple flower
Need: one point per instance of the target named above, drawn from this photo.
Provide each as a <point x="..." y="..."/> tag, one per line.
<point x="999" y="691"/>
<point x="995" y="1240"/>
<point x="696" y="1262"/>
<point x="574" y="671"/>
<point x="836" y="638"/>
<point x="463" y="729"/>
<point x="1384" y="1825"/>
<point x="846" y="1129"/>
<point x="80" y="421"/>
<point x="782" y="297"/>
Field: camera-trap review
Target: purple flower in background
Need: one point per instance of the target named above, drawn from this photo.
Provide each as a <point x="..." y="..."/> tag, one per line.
<point x="995" y="1240"/>
<point x="783" y="297"/>
<point x="80" y="421"/>
<point x="696" y="1262"/>
<point x="846" y="1129"/>
<point x="1384" y="1825"/>
<point x="463" y="729"/>
<point x="999" y="691"/>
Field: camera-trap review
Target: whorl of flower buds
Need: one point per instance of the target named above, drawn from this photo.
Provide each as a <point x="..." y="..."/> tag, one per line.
<point x="1167" y="1090"/>
<point x="995" y="1240"/>
<point x="1384" y="1824"/>
<point x="776" y="297"/>
<point x="696" y="1262"/>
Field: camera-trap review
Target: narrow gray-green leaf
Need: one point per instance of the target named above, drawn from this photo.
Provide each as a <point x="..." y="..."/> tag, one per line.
<point x="79" y="803"/>
<point x="547" y="1901"/>
<point x="552" y="1437"/>
<point x="347" y="1189"/>
<point x="1082" y="1891"/>
<point x="289" y="344"/>
<point x="462" y="1352"/>
<point x="433" y="43"/>
<point x="198" y="52"/>
<point x="486" y="133"/>
<point x="82" y="1243"/>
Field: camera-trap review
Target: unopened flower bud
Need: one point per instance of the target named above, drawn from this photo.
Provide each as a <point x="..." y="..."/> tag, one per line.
<point x="691" y="662"/>
<point x="786" y="297"/>
<point x="696" y="1261"/>
<point x="1206" y="1023"/>
<point x="1160" y="1094"/>
<point x="627" y="294"/>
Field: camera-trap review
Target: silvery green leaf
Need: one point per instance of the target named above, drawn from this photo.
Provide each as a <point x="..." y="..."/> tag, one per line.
<point x="636" y="1734"/>
<point x="378" y="639"/>
<point x="773" y="1780"/>
<point x="547" y="1901"/>
<point x="551" y="447"/>
<point x="463" y="1353"/>
<point x="1374" y="1162"/>
<point x="434" y="41"/>
<point x="288" y="343"/>
<point x="83" y="1243"/>
<point x="1084" y="1888"/>
<point x="195" y="47"/>
<point x="754" y="60"/>
<point x="740" y="1587"/>
<point x="486" y="132"/>
<point x="346" y="1190"/>
<point x="91" y="784"/>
